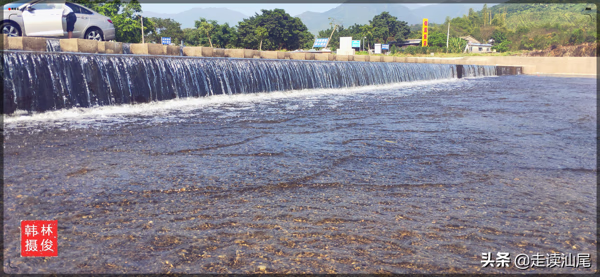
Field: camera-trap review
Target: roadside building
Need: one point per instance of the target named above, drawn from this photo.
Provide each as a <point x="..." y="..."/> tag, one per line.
<point x="474" y="46"/>
<point x="406" y="43"/>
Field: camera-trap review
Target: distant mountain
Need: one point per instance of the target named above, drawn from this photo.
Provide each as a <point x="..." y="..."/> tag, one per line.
<point x="188" y="18"/>
<point x="350" y="14"/>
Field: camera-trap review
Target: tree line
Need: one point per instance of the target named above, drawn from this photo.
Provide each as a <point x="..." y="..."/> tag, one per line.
<point x="270" y="30"/>
<point x="276" y="30"/>
<point x="383" y="28"/>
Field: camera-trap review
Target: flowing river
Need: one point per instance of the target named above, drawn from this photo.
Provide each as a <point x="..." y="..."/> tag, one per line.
<point x="421" y="176"/>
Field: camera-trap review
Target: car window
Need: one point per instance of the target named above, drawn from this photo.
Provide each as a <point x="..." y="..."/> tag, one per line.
<point x="78" y="9"/>
<point x="46" y="6"/>
<point x="86" y="11"/>
<point x="73" y="7"/>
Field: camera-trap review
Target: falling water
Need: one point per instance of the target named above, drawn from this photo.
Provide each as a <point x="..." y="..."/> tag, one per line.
<point x="53" y="45"/>
<point x="126" y="48"/>
<point x="51" y="81"/>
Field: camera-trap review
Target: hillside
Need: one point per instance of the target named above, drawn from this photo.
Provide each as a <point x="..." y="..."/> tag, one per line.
<point x="515" y="26"/>
<point x="582" y="50"/>
<point x="532" y="15"/>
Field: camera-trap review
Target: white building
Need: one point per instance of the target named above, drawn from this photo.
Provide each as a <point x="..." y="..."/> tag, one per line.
<point x="474" y="46"/>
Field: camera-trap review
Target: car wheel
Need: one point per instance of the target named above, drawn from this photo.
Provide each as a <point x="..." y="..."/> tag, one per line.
<point x="94" y="34"/>
<point x="11" y="29"/>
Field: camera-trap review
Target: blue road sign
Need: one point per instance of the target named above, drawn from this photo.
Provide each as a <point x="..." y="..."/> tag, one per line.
<point x="320" y="42"/>
<point x="385" y="47"/>
<point x="166" y="40"/>
<point x="356" y="44"/>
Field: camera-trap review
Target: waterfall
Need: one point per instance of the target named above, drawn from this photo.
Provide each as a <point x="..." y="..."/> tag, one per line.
<point x="36" y="81"/>
<point x="53" y="45"/>
<point x="126" y="48"/>
<point x="478" y="70"/>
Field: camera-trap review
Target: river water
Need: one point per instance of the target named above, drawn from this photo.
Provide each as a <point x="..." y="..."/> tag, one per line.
<point x="419" y="177"/>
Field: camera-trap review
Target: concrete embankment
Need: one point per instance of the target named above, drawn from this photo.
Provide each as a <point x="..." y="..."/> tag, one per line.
<point x="530" y="65"/>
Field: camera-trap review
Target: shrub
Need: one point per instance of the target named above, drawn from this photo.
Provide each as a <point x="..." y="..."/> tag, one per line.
<point x="576" y="37"/>
<point x="502" y="47"/>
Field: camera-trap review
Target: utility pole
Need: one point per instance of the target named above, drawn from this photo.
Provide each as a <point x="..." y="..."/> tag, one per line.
<point x="448" y="37"/>
<point x="142" y="19"/>
<point x="330" y="36"/>
<point x="364" y="40"/>
<point x="331" y="22"/>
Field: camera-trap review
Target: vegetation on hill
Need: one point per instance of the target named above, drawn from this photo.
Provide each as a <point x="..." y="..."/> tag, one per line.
<point x="581" y="50"/>
<point x="523" y="26"/>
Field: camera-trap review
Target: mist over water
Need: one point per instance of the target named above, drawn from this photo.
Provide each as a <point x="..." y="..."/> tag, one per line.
<point x="416" y="177"/>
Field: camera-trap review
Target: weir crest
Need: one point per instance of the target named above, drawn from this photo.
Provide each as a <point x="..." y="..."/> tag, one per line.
<point x="35" y="81"/>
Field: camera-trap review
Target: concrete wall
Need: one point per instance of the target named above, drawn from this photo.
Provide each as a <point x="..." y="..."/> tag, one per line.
<point x="192" y="51"/>
<point x="173" y="50"/>
<point x="13" y="43"/>
<point x="81" y="45"/>
<point x="269" y="55"/>
<point x="139" y="48"/>
<point x="297" y="56"/>
<point x="531" y="65"/>
<point x="113" y="47"/>
<point x="235" y="53"/>
<point x="24" y="43"/>
<point x="217" y="52"/>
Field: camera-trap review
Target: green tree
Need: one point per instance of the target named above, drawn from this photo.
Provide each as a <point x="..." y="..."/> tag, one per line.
<point x="460" y="26"/>
<point x="166" y="28"/>
<point x="503" y="46"/>
<point x="367" y="31"/>
<point x="485" y="13"/>
<point x="498" y="21"/>
<point x="498" y="36"/>
<point x="192" y="36"/>
<point x="225" y="36"/>
<point x="206" y="27"/>
<point x="577" y="37"/>
<point x="125" y="17"/>
<point x="474" y="18"/>
<point x="388" y="28"/>
<point x="261" y="33"/>
<point x="436" y="39"/>
<point x="284" y="31"/>
<point x="456" y="45"/>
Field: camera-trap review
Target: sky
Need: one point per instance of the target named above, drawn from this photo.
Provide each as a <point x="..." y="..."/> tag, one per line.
<point x="248" y="9"/>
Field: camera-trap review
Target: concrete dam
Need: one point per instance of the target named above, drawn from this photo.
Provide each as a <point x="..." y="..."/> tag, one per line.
<point x="44" y="81"/>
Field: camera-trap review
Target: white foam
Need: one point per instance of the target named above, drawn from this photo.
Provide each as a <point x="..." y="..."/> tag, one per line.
<point x="175" y="109"/>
